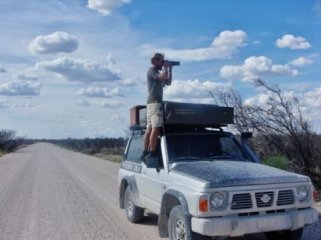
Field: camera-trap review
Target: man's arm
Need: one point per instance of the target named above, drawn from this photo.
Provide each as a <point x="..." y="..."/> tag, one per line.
<point x="169" y="79"/>
<point x="166" y="76"/>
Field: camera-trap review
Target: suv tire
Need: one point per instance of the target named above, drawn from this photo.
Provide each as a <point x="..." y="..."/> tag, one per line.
<point x="134" y="214"/>
<point x="179" y="226"/>
<point x="289" y="235"/>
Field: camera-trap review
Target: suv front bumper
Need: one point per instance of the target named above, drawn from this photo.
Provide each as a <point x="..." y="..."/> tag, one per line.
<point x="238" y="226"/>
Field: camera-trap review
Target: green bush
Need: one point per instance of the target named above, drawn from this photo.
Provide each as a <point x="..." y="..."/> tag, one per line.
<point x="277" y="161"/>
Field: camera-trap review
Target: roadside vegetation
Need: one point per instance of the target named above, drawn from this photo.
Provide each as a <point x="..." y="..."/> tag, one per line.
<point x="9" y="142"/>
<point x="277" y="161"/>
<point x="279" y="127"/>
<point x="111" y="149"/>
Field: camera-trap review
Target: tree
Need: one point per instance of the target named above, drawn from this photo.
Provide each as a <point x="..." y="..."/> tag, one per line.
<point x="8" y="141"/>
<point x="280" y="122"/>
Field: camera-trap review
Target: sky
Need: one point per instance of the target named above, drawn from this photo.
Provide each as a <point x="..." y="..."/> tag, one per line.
<point x="74" y="68"/>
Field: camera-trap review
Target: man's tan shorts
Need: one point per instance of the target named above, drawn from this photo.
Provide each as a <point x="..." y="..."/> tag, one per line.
<point x="154" y="115"/>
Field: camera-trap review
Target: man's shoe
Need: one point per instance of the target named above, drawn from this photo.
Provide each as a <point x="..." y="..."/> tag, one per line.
<point x="151" y="155"/>
<point x="152" y="160"/>
<point x="144" y="155"/>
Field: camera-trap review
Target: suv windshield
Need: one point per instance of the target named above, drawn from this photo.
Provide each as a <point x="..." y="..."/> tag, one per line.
<point x="196" y="147"/>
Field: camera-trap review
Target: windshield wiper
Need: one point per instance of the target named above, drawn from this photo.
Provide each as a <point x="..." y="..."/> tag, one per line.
<point x="209" y="158"/>
<point x="226" y="157"/>
<point x="220" y="157"/>
<point x="187" y="158"/>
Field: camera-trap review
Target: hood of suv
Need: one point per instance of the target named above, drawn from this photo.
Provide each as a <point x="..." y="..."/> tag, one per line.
<point x="235" y="173"/>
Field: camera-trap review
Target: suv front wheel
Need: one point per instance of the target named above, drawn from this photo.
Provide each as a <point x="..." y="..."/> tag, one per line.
<point x="134" y="214"/>
<point x="179" y="226"/>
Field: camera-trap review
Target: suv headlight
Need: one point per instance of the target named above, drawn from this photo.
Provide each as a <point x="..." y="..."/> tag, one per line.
<point x="302" y="193"/>
<point x="217" y="200"/>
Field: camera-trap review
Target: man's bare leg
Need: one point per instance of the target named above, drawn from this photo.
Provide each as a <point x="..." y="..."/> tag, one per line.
<point x="146" y="143"/>
<point x="153" y="140"/>
<point x="146" y="138"/>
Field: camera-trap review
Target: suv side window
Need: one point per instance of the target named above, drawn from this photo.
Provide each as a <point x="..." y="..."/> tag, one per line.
<point x="135" y="149"/>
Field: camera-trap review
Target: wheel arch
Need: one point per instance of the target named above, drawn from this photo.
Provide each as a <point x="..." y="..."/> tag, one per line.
<point x="125" y="182"/>
<point x="170" y="199"/>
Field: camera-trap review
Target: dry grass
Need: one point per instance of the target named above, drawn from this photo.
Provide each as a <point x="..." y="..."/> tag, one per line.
<point x="110" y="157"/>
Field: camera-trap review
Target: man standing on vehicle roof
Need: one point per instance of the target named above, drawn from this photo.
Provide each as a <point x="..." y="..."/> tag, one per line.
<point x="158" y="75"/>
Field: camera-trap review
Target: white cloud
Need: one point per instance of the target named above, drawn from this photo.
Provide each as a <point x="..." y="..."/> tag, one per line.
<point x="110" y="104"/>
<point x="292" y="42"/>
<point x="310" y="102"/>
<point x="82" y="102"/>
<point x="230" y="39"/>
<point x="80" y="70"/>
<point x="2" y="69"/>
<point x="260" y="99"/>
<point x="313" y="98"/>
<point x="263" y="98"/>
<point x="20" y="88"/>
<point x="29" y="73"/>
<point x="129" y="82"/>
<point x="100" y="92"/>
<point x="4" y="103"/>
<point x="191" y="89"/>
<point x="106" y="7"/>
<point x="58" y="42"/>
<point x="301" y="61"/>
<point x="222" y="47"/>
<point x="23" y="105"/>
<point x="312" y="108"/>
<point x="255" y="67"/>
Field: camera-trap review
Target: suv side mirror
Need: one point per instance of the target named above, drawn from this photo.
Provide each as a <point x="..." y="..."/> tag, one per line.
<point x="152" y="162"/>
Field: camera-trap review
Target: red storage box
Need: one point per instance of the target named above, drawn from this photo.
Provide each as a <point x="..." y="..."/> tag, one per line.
<point x="134" y="115"/>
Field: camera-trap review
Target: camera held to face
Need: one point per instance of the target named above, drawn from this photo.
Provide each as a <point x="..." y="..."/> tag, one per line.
<point x="172" y="63"/>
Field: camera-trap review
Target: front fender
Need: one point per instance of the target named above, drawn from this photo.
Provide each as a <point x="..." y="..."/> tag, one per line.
<point x="171" y="198"/>
<point x="125" y="183"/>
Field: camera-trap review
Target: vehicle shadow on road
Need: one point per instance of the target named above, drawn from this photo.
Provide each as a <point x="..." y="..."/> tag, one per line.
<point x="150" y="219"/>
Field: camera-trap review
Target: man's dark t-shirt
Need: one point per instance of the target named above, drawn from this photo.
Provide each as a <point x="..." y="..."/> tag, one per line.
<point x="155" y="87"/>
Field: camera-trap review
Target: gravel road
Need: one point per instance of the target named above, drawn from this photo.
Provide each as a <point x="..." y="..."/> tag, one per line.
<point x="47" y="192"/>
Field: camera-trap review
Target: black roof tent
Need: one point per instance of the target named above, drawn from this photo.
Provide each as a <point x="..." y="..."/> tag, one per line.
<point x="185" y="115"/>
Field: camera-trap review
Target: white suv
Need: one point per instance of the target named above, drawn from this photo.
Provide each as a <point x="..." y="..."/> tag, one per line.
<point x="204" y="183"/>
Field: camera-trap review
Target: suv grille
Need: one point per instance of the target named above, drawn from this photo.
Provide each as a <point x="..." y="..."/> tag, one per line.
<point x="262" y="199"/>
<point x="286" y="197"/>
<point x="241" y="201"/>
